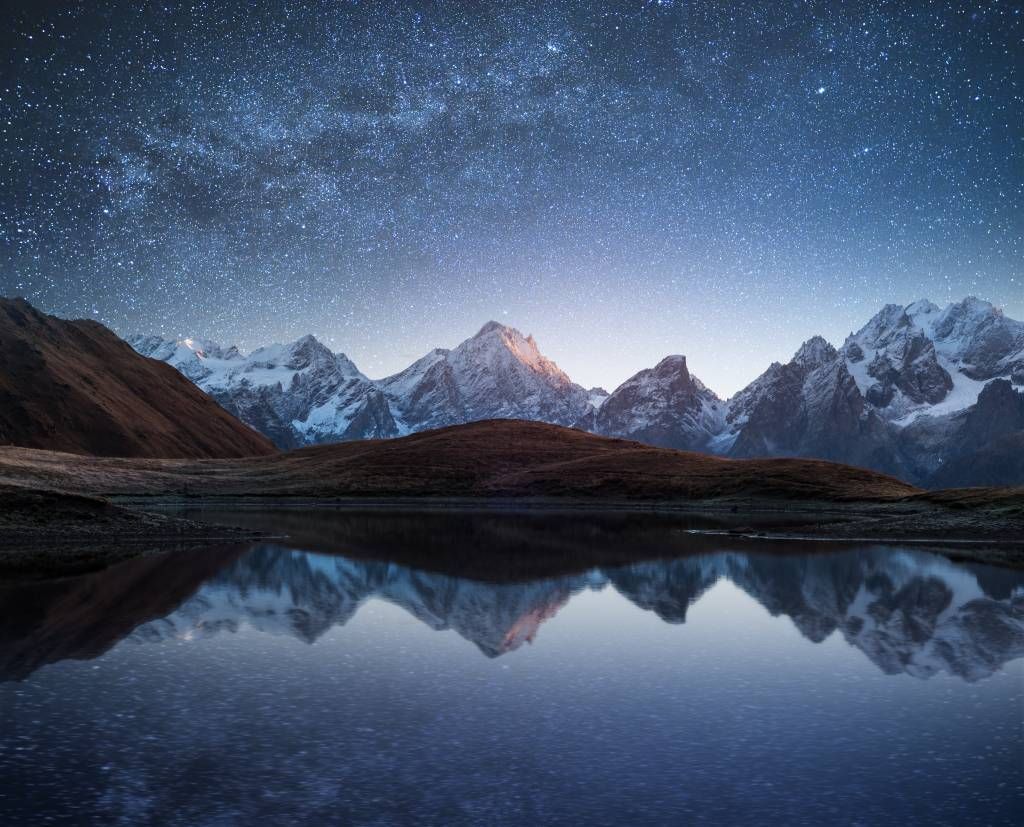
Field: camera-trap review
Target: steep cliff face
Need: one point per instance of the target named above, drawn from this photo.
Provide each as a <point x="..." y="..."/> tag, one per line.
<point x="985" y="444"/>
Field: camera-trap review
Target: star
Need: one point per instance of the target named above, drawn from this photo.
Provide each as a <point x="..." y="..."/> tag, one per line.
<point x="623" y="179"/>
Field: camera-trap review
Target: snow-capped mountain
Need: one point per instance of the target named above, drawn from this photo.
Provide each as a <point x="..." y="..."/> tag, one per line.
<point x="302" y="394"/>
<point x="497" y="374"/>
<point x="929" y="394"/>
<point x="921" y="392"/>
<point x="664" y="405"/>
<point x="811" y="406"/>
<point x="296" y="394"/>
<point x="905" y="394"/>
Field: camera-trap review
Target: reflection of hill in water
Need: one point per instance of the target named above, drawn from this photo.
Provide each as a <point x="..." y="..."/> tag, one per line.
<point x="907" y="611"/>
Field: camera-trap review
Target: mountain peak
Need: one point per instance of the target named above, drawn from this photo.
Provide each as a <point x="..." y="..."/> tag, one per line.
<point x="673" y="361"/>
<point x="307" y="344"/>
<point x="922" y="307"/>
<point x="815" y="351"/>
<point x="491" y="327"/>
<point x="884" y="325"/>
<point x="889" y="315"/>
<point x="972" y="306"/>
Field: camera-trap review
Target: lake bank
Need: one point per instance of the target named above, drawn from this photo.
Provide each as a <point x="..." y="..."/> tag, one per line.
<point x="511" y="537"/>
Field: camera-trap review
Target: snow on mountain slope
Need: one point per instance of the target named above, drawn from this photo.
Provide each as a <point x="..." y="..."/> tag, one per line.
<point x="978" y="338"/>
<point x="597" y="397"/>
<point x="197" y="359"/>
<point x="498" y="373"/>
<point x="219" y="368"/>
<point x="892" y="398"/>
<point x="297" y="394"/>
<point x="896" y="365"/>
<point x="301" y="393"/>
<point x="665" y="406"/>
<point x="922" y="359"/>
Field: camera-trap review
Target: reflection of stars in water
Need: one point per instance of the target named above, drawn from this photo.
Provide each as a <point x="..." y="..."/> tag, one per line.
<point x="384" y="171"/>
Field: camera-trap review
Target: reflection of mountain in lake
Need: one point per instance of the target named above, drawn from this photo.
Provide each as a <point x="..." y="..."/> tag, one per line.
<point x="907" y="611"/>
<point x="281" y="591"/>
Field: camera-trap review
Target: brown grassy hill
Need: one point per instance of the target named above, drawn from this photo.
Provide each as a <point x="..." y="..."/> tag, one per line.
<point x="491" y="459"/>
<point x="74" y="386"/>
<point x="508" y="458"/>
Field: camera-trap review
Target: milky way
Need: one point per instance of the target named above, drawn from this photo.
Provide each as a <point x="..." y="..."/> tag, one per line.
<point x="624" y="180"/>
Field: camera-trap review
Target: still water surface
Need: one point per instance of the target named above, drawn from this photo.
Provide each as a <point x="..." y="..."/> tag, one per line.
<point x="747" y="684"/>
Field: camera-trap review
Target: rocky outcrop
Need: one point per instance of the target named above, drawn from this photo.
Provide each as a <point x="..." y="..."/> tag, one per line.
<point x="664" y="406"/>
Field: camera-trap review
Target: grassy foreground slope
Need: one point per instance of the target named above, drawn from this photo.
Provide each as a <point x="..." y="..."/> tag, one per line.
<point x="74" y="386"/>
<point x="495" y="459"/>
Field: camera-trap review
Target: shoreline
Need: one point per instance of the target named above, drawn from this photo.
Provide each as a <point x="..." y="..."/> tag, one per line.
<point x="808" y="519"/>
<point x="127" y="527"/>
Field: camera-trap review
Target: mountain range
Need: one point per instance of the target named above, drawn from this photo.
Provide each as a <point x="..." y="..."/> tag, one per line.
<point x="926" y="393"/>
<point x="303" y="394"/>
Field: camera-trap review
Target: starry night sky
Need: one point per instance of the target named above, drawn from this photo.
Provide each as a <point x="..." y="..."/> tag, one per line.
<point x="624" y="180"/>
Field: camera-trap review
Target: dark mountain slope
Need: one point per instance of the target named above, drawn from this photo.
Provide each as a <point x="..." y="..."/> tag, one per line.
<point x="74" y="386"/>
